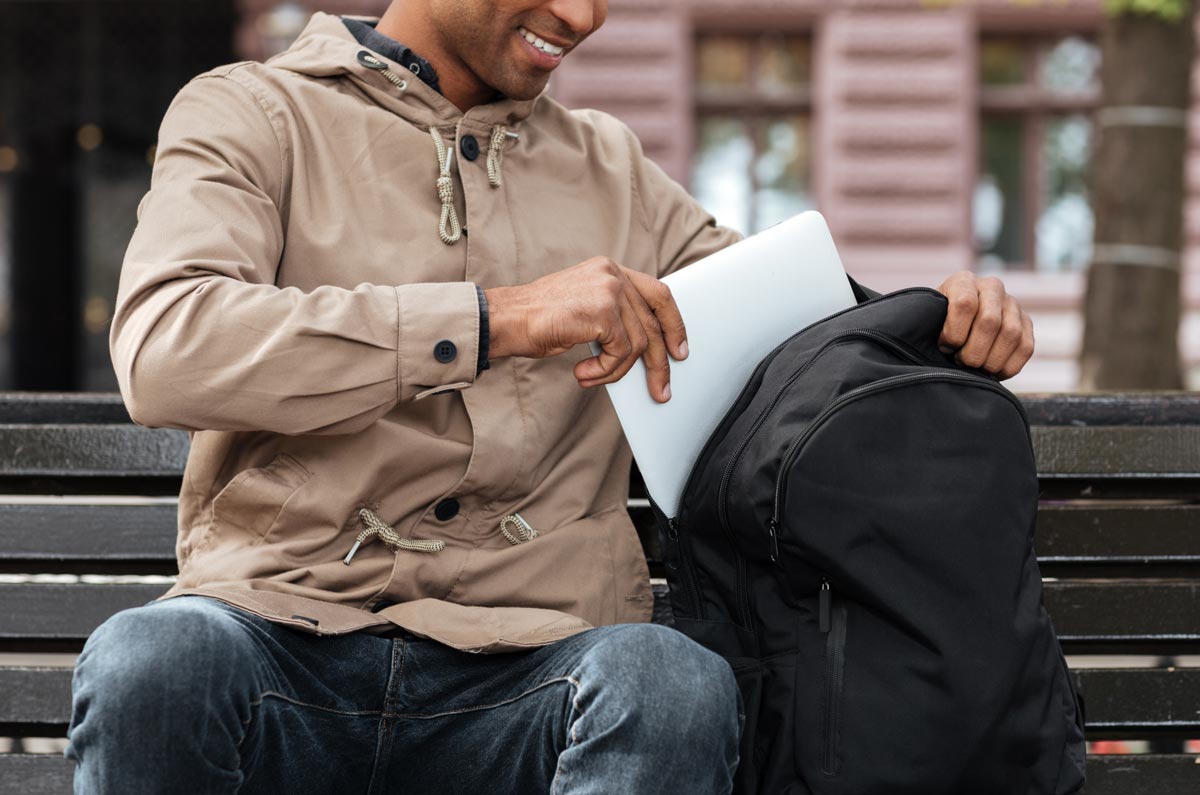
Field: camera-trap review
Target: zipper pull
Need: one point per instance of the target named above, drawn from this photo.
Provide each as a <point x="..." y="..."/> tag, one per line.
<point x="773" y="531"/>
<point x="673" y="528"/>
<point x="824" y="607"/>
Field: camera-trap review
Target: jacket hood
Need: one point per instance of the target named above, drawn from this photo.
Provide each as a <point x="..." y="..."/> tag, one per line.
<point x="327" y="48"/>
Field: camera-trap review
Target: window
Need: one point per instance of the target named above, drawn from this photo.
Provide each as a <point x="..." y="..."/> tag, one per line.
<point x="753" y="108"/>
<point x="1031" y="201"/>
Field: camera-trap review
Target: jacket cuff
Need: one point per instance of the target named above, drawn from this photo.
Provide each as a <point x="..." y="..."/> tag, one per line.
<point x="485" y="334"/>
<point x="861" y="293"/>
<point x="437" y="346"/>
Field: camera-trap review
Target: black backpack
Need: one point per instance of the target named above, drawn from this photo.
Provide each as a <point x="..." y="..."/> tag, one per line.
<point x="856" y="539"/>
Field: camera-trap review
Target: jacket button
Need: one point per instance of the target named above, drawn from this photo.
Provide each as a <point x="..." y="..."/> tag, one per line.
<point x="382" y="604"/>
<point x="446" y="509"/>
<point x="445" y="351"/>
<point x="469" y="147"/>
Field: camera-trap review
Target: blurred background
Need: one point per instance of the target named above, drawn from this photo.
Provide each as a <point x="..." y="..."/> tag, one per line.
<point x="933" y="138"/>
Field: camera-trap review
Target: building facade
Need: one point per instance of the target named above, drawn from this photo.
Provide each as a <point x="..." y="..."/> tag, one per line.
<point x="932" y="136"/>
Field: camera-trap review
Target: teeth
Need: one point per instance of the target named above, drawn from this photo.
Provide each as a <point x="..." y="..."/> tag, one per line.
<point x="540" y="43"/>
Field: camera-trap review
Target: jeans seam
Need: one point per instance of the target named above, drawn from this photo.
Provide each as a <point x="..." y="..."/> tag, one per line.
<point x="476" y="707"/>
<point x="573" y="738"/>
<point x="391" y="699"/>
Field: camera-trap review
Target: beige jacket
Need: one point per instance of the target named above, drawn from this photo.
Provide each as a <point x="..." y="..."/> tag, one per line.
<point x="282" y="299"/>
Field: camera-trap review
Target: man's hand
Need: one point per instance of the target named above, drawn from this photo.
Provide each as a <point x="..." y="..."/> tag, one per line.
<point x="985" y="325"/>
<point x="630" y="314"/>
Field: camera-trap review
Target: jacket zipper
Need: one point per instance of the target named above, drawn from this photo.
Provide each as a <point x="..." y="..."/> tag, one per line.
<point x="833" y="626"/>
<point x="891" y="343"/>
<point x="882" y="385"/>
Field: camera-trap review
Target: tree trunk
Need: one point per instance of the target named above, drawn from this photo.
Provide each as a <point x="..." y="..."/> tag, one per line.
<point x="1132" y="305"/>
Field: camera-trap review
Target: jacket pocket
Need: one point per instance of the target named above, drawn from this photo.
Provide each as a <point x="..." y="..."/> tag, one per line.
<point x="253" y="500"/>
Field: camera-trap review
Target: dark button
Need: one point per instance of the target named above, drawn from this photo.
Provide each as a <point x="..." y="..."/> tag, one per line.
<point x="469" y="147"/>
<point x="383" y="604"/>
<point x="446" y="509"/>
<point x="445" y="351"/>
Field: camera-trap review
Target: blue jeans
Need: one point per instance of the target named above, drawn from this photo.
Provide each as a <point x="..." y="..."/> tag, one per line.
<point x="192" y="695"/>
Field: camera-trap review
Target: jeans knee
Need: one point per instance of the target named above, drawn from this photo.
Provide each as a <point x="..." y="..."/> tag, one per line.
<point x="160" y="653"/>
<point x="675" y="684"/>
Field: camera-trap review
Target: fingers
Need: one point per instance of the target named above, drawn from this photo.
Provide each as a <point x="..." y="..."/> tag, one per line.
<point x="653" y="326"/>
<point x="659" y="300"/>
<point x="961" y="291"/>
<point x="986" y="324"/>
<point x="620" y="345"/>
<point x="1024" y="351"/>
<point x="1012" y="327"/>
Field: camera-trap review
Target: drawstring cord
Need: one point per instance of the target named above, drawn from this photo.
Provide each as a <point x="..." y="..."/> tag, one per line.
<point x="524" y="531"/>
<point x="496" y="154"/>
<point x="387" y="534"/>
<point x="448" y="228"/>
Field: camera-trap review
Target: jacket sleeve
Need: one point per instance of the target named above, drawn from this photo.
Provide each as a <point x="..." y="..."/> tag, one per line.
<point x="203" y="339"/>
<point x="681" y="230"/>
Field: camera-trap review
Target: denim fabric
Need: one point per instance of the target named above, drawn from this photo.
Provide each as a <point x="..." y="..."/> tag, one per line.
<point x="190" y="694"/>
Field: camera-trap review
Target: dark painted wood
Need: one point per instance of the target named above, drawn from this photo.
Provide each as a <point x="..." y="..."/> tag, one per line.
<point x="1142" y="774"/>
<point x="62" y="408"/>
<point x="75" y="450"/>
<point x="1133" y="702"/>
<point x="1135" y="534"/>
<point x="1147" y="774"/>
<point x="65" y="612"/>
<point x="1133" y="408"/>
<point x="1126" y="611"/>
<point x="102" y="533"/>
<point x="35" y="701"/>
<point x="36" y="774"/>
<point x="1124" y="702"/>
<point x="1123" y="612"/>
<point x="1118" y="451"/>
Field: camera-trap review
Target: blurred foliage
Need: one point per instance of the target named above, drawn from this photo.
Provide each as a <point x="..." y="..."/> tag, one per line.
<point x="1166" y="10"/>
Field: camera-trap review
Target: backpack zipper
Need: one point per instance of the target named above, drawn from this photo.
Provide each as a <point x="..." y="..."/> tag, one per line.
<point x="892" y="382"/>
<point x="688" y="577"/>
<point x="833" y="626"/>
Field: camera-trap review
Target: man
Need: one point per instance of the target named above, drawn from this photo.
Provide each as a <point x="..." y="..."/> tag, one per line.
<point x="354" y="281"/>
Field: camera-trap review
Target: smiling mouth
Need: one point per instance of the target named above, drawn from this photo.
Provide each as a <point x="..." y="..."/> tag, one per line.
<point x="541" y="44"/>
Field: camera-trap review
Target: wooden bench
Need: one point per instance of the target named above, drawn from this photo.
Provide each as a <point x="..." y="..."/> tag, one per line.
<point x="83" y="492"/>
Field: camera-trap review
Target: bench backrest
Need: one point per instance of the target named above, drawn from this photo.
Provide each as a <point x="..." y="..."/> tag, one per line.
<point x="87" y="528"/>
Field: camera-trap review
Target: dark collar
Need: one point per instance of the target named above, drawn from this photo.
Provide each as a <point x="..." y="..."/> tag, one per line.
<point x="393" y="50"/>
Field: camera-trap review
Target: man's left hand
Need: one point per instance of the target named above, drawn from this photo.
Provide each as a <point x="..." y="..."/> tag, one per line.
<point x="985" y="325"/>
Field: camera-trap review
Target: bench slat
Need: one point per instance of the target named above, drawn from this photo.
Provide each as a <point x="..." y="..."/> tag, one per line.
<point x="1117" y="612"/>
<point x="28" y="450"/>
<point x="66" y="611"/>
<point x="49" y="532"/>
<point x="107" y="532"/>
<point x="1126" y="703"/>
<point x="38" y="774"/>
<point x="1115" y="774"/>
<point x="1132" y="701"/>
<point x="1117" y="451"/>
<point x="1110" y="533"/>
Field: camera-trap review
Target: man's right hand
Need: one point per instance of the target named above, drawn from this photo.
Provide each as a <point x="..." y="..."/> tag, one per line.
<point x="628" y="313"/>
